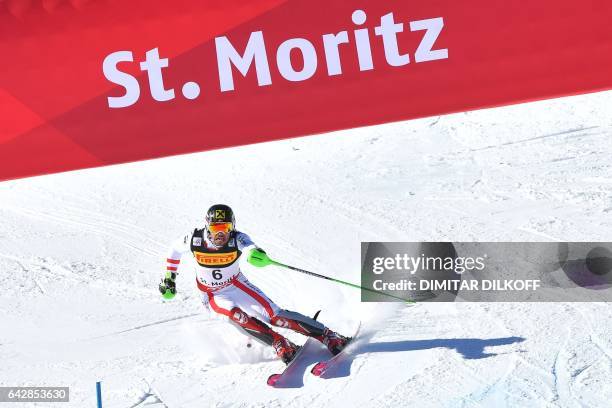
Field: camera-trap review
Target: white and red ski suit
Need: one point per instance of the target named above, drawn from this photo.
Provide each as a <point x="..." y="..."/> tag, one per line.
<point x="229" y="293"/>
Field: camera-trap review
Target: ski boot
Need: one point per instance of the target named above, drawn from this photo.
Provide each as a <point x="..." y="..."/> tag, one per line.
<point x="335" y="342"/>
<point x="285" y="349"/>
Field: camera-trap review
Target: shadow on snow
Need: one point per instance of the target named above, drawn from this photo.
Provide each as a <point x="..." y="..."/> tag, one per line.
<point x="469" y="348"/>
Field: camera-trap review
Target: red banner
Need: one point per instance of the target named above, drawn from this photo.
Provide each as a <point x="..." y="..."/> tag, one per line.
<point x="91" y="83"/>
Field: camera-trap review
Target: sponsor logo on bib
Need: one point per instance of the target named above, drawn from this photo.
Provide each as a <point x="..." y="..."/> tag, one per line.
<point x="215" y="259"/>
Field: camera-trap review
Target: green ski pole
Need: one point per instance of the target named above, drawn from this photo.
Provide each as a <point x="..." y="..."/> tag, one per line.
<point x="261" y="259"/>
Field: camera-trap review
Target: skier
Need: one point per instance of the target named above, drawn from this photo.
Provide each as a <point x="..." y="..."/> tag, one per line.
<point x="217" y="247"/>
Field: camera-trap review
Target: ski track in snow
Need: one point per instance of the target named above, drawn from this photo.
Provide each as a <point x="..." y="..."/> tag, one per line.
<point x="84" y="251"/>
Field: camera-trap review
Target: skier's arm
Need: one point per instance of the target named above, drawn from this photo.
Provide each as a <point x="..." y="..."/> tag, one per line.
<point x="179" y="248"/>
<point x="256" y="256"/>
<point x="245" y="243"/>
<point x="168" y="284"/>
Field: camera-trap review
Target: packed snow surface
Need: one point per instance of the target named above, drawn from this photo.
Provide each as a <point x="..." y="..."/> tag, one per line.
<point x="81" y="254"/>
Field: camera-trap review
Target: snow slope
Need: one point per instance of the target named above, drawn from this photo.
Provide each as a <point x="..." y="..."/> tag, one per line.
<point x="81" y="254"/>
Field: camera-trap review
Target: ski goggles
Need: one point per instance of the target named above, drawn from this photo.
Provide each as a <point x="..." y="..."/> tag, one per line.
<point x="225" y="227"/>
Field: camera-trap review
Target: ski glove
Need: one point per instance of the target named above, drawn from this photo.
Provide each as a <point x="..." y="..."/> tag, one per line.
<point x="167" y="286"/>
<point x="258" y="257"/>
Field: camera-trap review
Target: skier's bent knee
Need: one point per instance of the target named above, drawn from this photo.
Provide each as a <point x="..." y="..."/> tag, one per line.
<point x="239" y="316"/>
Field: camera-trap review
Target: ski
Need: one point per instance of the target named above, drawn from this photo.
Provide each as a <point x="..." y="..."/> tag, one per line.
<point x="322" y="366"/>
<point x="276" y="379"/>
